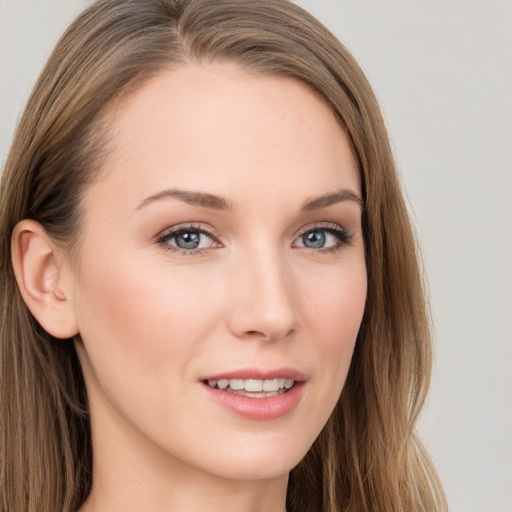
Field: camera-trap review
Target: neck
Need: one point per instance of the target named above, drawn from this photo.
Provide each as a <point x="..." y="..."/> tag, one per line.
<point x="179" y="496"/>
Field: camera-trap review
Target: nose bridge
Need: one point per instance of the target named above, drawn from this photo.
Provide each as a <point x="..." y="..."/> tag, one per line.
<point x="264" y="302"/>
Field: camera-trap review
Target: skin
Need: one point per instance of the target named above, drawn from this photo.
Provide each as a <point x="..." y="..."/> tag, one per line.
<point x="155" y="320"/>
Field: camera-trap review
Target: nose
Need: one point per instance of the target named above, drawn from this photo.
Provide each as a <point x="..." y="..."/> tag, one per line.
<point x="264" y="298"/>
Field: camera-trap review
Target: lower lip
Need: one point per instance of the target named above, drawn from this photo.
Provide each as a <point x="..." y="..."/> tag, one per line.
<point x="268" y="408"/>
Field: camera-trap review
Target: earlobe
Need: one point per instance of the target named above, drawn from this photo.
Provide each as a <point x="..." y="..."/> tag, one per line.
<point x="42" y="280"/>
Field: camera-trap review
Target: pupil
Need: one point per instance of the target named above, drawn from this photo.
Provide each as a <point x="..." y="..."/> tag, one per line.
<point x="189" y="240"/>
<point x="314" y="240"/>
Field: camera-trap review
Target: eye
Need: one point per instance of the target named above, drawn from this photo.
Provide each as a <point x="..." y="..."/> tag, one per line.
<point x="187" y="239"/>
<point x="323" y="238"/>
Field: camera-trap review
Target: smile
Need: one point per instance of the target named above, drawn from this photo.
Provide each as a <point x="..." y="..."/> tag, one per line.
<point x="253" y="388"/>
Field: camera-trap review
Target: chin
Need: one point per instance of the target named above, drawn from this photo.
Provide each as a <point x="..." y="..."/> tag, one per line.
<point x="259" y="462"/>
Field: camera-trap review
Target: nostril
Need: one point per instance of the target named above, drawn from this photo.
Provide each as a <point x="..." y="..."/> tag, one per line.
<point x="270" y="336"/>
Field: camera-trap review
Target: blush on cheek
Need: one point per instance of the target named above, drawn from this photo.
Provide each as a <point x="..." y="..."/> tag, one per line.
<point x="158" y="310"/>
<point x="337" y="313"/>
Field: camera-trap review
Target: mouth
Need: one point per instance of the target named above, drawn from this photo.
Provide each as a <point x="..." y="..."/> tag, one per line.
<point x="256" y="393"/>
<point x="252" y="388"/>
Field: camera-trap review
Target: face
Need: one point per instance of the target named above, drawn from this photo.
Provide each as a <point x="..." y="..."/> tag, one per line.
<point x="221" y="280"/>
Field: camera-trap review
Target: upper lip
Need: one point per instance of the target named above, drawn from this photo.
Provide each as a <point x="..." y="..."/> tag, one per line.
<point x="259" y="374"/>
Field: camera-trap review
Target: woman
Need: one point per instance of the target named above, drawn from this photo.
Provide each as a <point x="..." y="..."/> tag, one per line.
<point x="211" y="296"/>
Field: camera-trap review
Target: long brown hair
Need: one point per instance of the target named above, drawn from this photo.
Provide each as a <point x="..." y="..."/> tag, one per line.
<point x="367" y="458"/>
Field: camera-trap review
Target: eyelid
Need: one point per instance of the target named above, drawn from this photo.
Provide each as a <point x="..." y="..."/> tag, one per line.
<point x="189" y="226"/>
<point x="319" y="226"/>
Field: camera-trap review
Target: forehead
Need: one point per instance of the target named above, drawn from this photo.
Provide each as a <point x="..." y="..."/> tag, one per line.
<point x="220" y="128"/>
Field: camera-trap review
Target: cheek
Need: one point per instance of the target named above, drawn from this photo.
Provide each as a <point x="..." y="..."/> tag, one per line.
<point x="334" y="313"/>
<point x="137" y="291"/>
<point x="335" y="306"/>
<point x="144" y="317"/>
<point x="143" y="326"/>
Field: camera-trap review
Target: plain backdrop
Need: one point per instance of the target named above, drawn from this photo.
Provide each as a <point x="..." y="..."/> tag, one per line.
<point x="442" y="70"/>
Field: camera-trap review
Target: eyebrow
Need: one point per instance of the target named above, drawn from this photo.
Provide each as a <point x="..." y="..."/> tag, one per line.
<point x="201" y="199"/>
<point x="332" y="198"/>
<point x="214" y="202"/>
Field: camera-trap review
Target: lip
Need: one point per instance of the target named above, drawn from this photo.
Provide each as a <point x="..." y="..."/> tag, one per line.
<point x="268" y="408"/>
<point x="258" y="373"/>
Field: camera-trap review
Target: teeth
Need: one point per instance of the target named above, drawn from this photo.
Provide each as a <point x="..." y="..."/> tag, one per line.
<point x="256" y="387"/>
<point x="271" y="385"/>
<point x="236" y="384"/>
<point x="253" y="385"/>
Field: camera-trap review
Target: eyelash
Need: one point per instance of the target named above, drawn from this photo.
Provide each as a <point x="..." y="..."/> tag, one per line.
<point x="171" y="233"/>
<point x="344" y="238"/>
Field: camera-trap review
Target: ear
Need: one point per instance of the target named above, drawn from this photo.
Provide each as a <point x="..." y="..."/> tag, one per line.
<point x="44" y="279"/>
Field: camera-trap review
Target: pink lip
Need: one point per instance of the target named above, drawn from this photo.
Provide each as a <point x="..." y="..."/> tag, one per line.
<point x="257" y="373"/>
<point x="258" y="408"/>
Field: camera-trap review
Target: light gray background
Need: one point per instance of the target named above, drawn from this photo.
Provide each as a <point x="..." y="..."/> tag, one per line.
<point x="442" y="70"/>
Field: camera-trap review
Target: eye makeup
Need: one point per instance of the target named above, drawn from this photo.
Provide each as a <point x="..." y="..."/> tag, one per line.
<point x="337" y="238"/>
<point x="193" y="239"/>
